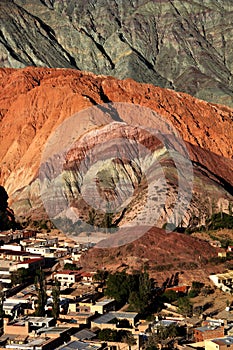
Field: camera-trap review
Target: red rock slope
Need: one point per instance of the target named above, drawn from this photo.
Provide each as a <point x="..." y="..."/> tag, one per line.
<point x="34" y="101"/>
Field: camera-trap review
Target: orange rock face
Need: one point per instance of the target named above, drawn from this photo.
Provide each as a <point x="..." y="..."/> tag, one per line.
<point x="34" y="101"/>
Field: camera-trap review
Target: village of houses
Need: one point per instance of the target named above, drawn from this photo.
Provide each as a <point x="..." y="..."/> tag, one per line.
<point x="84" y="309"/>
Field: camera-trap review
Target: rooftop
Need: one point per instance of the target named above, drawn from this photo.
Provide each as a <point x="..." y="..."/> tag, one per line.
<point x="79" y="345"/>
<point x="225" y="275"/>
<point x="128" y="315"/>
<point x="32" y="319"/>
<point x="104" y="302"/>
<point x="84" y="334"/>
<point x="53" y="330"/>
<point x="207" y="328"/>
<point x="110" y="316"/>
<point x="223" y="341"/>
<point x="16" y="253"/>
<point x="68" y="272"/>
<point x="106" y="318"/>
<point x="31" y="261"/>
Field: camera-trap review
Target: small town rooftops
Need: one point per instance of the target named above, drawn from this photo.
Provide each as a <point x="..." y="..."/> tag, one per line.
<point x="223" y="341"/>
<point x="84" y="334"/>
<point x="30" y="261"/>
<point x="129" y="315"/>
<point x="107" y="318"/>
<point x="104" y="302"/>
<point x="206" y="328"/>
<point x="80" y="346"/>
<point x="31" y="319"/>
<point x="68" y="272"/>
<point x="53" y="330"/>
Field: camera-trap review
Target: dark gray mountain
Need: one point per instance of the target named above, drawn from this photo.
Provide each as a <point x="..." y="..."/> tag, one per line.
<point x="186" y="45"/>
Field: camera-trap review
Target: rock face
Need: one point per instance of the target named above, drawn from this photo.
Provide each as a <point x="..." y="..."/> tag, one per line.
<point x="35" y="101"/>
<point x="7" y="219"/>
<point x="183" y="45"/>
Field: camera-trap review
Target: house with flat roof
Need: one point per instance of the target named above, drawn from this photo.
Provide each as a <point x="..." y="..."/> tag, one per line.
<point x="67" y="277"/>
<point x="109" y="319"/>
<point x="223" y="281"/>
<point x="26" y="324"/>
<point x="21" y="342"/>
<point x="18" y="256"/>
<point x="225" y="343"/>
<point x="75" y="344"/>
<point x="208" y="332"/>
<point x="7" y="266"/>
<point x="83" y="334"/>
<point x="103" y="306"/>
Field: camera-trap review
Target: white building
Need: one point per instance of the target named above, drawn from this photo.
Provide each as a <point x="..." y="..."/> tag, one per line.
<point x="223" y="281"/>
<point x="67" y="277"/>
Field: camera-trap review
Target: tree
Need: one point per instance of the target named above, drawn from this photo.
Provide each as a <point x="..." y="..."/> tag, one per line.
<point x="20" y="276"/>
<point x="135" y="301"/>
<point x="185" y="306"/>
<point x="195" y="289"/>
<point x="230" y="208"/>
<point x="117" y="287"/>
<point x="141" y="298"/>
<point x="41" y="293"/>
<point x="56" y="300"/>
<point x="108" y="335"/>
<point x="136" y="289"/>
<point x="100" y="276"/>
<point x="69" y="266"/>
<point x="170" y="296"/>
<point x="152" y="342"/>
<point x="167" y="332"/>
<point x="129" y="340"/>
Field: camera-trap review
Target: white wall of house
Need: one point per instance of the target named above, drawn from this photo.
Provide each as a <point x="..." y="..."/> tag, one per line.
<point x="15" y="247"/>
<point x="66" y="280"/>
<point x="38" y="250"/>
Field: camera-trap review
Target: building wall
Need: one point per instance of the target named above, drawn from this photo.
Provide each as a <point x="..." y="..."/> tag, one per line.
<point x="39" y="250"/>
<point x="209" y="345"/>
<point x="101" y="309"/>
<point x="104" y="325"/>
<point x="123" y="346"/>
<point x="13" y="247"/>
<point x="208" y="334"/>
<point x="11" y="329"/>
<point x="65" y="280"/>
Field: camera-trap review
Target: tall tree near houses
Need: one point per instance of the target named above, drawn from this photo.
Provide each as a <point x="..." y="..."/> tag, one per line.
<point x="230" y="208"/>
<point x="41" y="293"/>
<point x="129" y="340"/>
<point x="56" y="300"/>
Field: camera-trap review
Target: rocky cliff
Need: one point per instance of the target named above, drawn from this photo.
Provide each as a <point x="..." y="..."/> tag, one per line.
<point x="179" y="44"/>
<point x="35" y="101"/>
<point x="7" y="219"/>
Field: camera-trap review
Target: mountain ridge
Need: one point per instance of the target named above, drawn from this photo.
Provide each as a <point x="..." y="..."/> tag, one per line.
<point x="174" y="44"/>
